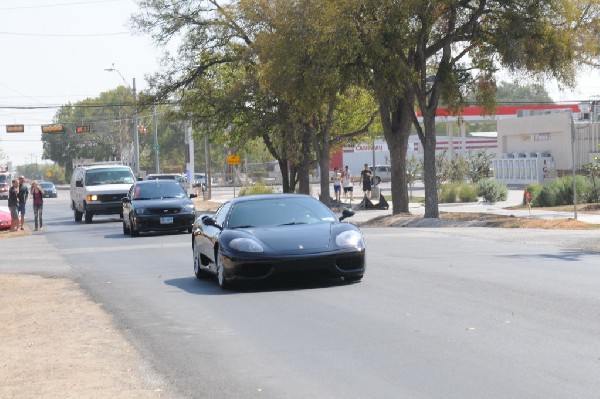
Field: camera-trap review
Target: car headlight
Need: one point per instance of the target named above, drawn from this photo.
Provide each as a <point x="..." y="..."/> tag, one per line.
<point x="348" y="238"/>
<point x="245" y="245"/>
<point x="93" y="197"/>
<point x="188" y="208"/>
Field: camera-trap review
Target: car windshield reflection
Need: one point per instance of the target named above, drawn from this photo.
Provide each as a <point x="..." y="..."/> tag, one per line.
<point x="279" y="212"/>
<point x="158" y="191"/>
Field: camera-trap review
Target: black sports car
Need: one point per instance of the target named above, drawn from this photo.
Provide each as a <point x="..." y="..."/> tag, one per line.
<point x="258" y="236"/>
<point x="157" y="205"/>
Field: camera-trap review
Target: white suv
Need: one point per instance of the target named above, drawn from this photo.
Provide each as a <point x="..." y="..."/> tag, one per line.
<point x="99" y="190"/>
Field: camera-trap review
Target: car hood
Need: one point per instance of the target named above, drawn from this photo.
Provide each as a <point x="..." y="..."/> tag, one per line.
<point x="161" y="203"/>
<point x="297" y="237"/>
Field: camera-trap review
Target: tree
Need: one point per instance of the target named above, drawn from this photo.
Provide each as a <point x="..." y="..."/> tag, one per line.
<point x="426" y="52"/>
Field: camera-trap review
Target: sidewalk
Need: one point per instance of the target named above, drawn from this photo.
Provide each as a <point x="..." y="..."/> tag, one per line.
<point x="515" y="198"/>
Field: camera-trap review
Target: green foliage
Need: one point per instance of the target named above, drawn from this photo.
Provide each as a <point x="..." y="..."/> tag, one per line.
<point x="492" y="190"/>
<point x="534" y="192"/>
<point x="457" y="169"/>
<point x="560" y="192"/>
<point x="256" y="189"/>
<point x="479" y="165"/>
<point x="457" y="192"/>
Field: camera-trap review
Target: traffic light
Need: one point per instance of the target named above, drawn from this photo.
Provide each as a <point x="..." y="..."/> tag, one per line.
<point x="15" y="128"/>
<point x="83" y="129"/>
<point x="53" y="128"/>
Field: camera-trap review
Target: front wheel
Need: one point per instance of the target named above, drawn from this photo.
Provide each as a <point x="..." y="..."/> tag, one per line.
<point x="222" y="280"/>
<point x="78" y="215"/>
<point x="133" y="231"/>
<point x="200" y="274"/>
<point x="125" y="228"/>
<point x="88" y="217"/>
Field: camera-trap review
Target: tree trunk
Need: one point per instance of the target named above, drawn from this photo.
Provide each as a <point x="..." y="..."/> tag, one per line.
<point x="305" y="161"/>
<point x="397" y="124"/>
<point x="429" y="173"/>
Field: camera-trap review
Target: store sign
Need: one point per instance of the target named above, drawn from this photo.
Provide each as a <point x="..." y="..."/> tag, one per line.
<point x="53" y="128"/>
<point x="15" y="128"/>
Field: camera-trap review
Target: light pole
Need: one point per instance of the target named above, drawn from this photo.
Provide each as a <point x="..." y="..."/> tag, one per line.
<point x="136" y="139"/>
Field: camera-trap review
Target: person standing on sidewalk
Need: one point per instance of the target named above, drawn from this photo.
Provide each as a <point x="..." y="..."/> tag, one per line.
<point x="365" y="176"/>
<point x="38" y="204"/>
<point x="347" y="183"/>
<point x="23" y="195"/>
<point x="13" y="205"/>
<point x="337" y="184"/>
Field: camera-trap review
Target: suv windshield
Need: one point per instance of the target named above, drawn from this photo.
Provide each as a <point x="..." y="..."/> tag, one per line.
<point x="95" y="177"/>
<point x="162" y="189"/>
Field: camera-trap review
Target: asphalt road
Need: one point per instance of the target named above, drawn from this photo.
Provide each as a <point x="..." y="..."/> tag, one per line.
<point x="452" y="313"/>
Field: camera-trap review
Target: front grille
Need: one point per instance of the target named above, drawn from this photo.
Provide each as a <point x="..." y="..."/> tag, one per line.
<point x="111" y="197"/>
<point x="350" y="262"/>
<point x="163" y="211"/>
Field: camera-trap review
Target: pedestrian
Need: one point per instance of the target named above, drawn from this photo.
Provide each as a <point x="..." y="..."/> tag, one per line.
<point x="347" y="183"/>
<point x="366" y="176"/>
<point x="337" y="183"/>
<point x="23" y="195"/>
<point x="37" y="193"/>
<point x="13" y="205"/>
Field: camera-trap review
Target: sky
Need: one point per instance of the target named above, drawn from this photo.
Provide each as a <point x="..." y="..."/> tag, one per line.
<point x="56" y="51"/>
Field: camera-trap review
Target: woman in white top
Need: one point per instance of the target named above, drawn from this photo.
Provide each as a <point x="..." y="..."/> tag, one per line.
<point x="347" y="183"/>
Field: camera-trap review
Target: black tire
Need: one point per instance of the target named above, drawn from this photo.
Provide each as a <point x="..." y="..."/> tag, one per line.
<point x="200" y="274"/>
<point x="88" y="217"/>
<point x="78" y="215"/>
<point x="221" y="279"/>
<point x="125" y="228"/>
<point x="133" y="232"/>
<point x="189" y="230"/>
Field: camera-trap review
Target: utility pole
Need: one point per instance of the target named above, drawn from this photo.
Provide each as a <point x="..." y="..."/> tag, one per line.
<point x="156" y="162"/>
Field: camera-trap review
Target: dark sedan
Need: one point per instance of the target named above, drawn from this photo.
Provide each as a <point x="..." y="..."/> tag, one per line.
<point x="157" y="205"/>
<point x="49" y="189"/>
<point x="259" y="236"/>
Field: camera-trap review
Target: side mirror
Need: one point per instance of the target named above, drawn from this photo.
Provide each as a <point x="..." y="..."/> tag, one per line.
<point x="346" y="213"/>
<point x="78" y="183"/>
<point x="193" y="195"/>
<point x="208" y="221"/>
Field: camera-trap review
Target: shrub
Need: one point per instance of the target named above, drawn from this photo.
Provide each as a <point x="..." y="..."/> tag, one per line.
<point x="457" y="191"/>
<point x="448" y="193"/>
<point x="547" y="197"/>
<point x="563" y="189"/>
<point x="534" y="191"/>
<point x="256" y="189"/>
<point x="468" y="193"/>
<point x="492" y="190"/>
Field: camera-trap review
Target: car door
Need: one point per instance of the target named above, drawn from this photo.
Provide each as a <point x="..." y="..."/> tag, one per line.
<point x="210" y="234"/>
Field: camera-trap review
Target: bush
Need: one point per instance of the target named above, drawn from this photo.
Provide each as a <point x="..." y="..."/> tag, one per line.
<point x="256" y="189"/>
<point x="492" y="190"/>
<point x="563" y="190"/>
<point x="547" y="197"/>
<point x="457" y="192"/>
<point x="534" y="191"/>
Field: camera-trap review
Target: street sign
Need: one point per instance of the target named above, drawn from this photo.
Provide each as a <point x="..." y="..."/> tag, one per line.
<point x="83" y="129"/>
<point x="53" y="128"/>
<point x="49" y="173"/>
<point x="156" y="147"/>
<point x="15" y="128"/>
<point x="233" y="159"/>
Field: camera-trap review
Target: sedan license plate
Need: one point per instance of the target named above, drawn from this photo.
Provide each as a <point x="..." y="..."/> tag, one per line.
<point x="166" y="220"/>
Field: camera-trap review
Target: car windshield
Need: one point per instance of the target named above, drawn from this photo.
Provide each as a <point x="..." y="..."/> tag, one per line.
<point x="97" y="177"/>
<point x="47" y="185"/>
<point x="279" y="212"/>
<point x="160" y="190"/>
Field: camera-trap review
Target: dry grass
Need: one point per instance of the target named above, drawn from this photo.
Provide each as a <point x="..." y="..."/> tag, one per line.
<point x="523" y="223"/>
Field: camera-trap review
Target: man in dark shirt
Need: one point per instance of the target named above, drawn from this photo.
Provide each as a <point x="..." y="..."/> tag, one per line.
<point x="365" y="177"/>
<point x="23" y="195"/>
<point x="13" y="205"/>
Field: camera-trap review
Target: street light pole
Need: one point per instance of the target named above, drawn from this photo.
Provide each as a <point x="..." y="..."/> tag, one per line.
<point x="136" y="140"/>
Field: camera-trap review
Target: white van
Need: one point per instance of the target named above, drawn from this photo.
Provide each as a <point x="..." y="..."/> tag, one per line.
<point x="99" y="190"/>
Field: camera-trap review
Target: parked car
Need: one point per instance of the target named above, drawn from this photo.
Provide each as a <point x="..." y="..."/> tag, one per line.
<point x="4" y="184"/>
<point x="178" y="177"/>
<point x="200" y="181"/>
<point x="157" y="205"/>
<point x="381" y="173"/>
<point x="49" y="189"/>
<point x="5" y="218"/>
<point x="256" y="237"/>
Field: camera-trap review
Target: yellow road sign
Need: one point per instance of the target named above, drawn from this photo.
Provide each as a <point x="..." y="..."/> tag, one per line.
<point x="233" y="159"/>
